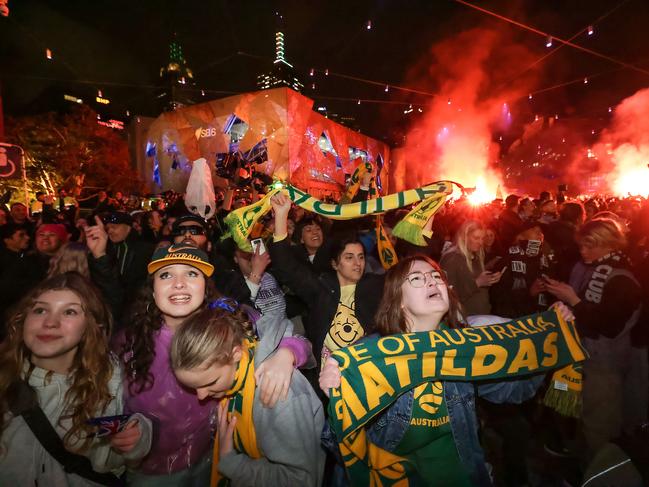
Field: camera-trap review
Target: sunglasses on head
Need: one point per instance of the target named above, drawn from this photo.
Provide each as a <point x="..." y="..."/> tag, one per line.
<point x="191" y="229"/>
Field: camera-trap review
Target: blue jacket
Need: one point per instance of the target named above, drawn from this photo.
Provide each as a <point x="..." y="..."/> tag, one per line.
<point x="387" y="430"/>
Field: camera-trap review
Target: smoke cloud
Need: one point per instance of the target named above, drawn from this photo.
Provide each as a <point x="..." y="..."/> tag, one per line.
<point x="476" y="75"/>
<point x="624" y="147"/>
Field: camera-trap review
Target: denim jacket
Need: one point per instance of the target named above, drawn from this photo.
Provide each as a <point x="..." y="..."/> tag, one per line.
<point x="388" y="429"/>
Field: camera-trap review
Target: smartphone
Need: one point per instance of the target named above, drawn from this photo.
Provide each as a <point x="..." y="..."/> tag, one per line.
<point x="109" y="425"/>
<point x="258" y="243"/>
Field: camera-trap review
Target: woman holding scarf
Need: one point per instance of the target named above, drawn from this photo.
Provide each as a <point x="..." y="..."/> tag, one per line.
<point x="341" y="304"/>
<point x="434" y="425"/>
<point x="606" y="300"/>
<point x="179" y="286"/>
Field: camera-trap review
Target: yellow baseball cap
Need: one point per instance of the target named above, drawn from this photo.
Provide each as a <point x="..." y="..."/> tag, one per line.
<point x="181" y="253"/>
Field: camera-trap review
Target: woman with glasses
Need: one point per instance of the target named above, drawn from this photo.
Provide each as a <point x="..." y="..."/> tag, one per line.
<point x="434" y="425"/>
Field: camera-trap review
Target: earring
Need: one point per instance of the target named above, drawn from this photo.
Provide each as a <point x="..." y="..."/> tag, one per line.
<point x="147" y="308"/>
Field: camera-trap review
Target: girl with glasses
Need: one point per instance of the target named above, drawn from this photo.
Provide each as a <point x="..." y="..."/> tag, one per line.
<point x="434" y="425"/>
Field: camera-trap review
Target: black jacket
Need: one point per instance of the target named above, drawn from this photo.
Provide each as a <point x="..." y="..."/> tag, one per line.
<point x="322" y="293"/>
<point x="130" y="259"/>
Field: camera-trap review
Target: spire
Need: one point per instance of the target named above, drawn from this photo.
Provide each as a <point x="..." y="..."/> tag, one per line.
<point x="176" y="75"/>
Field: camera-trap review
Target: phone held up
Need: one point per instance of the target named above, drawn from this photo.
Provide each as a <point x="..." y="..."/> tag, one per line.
<point x="258" y="243"/>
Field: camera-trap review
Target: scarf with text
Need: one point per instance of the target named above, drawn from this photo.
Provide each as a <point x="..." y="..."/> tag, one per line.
<point x="242" y="220"/>
<point x="241" y="396"/>
<point x="377" y="371"/>
<point x="564" y="393"/>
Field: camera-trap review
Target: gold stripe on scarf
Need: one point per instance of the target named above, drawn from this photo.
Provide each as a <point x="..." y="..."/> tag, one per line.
<point x="241" y="397"/>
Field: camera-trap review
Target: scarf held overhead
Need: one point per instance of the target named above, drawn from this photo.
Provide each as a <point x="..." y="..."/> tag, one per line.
<point x="241" y="396"/>
<point x="386" y="251"/>
<point x="376" y="372"/>
<point x="242" y="220"/>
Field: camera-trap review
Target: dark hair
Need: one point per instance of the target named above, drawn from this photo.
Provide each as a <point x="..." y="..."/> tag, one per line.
<point x="10" y="228"/>
<point x="390" y="318"/>
<point x="139" y="347"/>
<point x="511" y="201"/>
<point x="307" y="220"/>
<point x="339" y="244"/>
<point x="573" y="212"/>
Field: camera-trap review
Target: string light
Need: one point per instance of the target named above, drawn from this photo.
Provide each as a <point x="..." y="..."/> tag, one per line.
<point x="556" y="116"/>
<point x="448" y="102"/>
<point x="358" y="102"/>
<point x="586" y="80"/>
<point x="311" y="72"/>
<point x="313" y="86"/>
<point x="387" y="88"/>
<point x="128" y="113"/>
<point x="529" y="96"/>
<point x="610" y="109"/>
<point x="48" y="54"/>
<point x="591" y="30"/>
<point x="368" y="26"/>
<point x="548" y="42"/>
<point x="202" y="92"/>
<point x="327" y="72"/>
<point x="100" y="94"/>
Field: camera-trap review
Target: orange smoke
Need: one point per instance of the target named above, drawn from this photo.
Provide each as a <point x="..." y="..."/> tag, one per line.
<point x="474" y="76"/>
<point x="626" y="144"/>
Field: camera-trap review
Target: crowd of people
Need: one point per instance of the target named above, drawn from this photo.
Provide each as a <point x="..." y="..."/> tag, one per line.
<point x="205" y="362"/>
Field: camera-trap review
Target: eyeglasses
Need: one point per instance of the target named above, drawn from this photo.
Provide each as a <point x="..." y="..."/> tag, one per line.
<point x="191" y="229"/>
<point x="418" y="279"/>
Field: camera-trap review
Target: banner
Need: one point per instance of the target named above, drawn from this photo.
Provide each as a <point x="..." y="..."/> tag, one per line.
<point x="375" y="372"/>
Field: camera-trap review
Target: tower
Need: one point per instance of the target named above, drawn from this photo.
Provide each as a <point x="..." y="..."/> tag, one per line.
<point x="177" y="78"/>
<point x="282" y="73"/>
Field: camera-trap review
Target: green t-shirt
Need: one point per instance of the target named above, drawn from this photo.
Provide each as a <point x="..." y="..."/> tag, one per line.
<point x="428" y="442"/>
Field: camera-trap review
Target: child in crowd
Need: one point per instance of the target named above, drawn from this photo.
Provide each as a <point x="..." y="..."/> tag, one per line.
<point x="215" y="353"/>
<point x="55" y="360"/>
<point x="179" y="285"/>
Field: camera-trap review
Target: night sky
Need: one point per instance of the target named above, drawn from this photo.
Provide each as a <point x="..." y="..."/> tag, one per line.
<point x="119" y="47"/>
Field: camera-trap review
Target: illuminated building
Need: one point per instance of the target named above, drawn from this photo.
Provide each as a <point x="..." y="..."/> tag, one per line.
<point x="178" y="80"/>
<point x="282" y="73"/>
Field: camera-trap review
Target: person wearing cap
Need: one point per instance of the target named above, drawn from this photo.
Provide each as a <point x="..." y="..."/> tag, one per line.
<point x="193" y="229"/>
<point x="177" y="287"/>
<point x="50" y="237"/>
<point x="128" y="254"/>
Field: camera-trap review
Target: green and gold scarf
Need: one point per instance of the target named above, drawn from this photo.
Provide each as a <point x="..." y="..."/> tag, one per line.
<point x="242" y="220"/>
<point x="564" y="393"/>
<point x="241" y="396"/>
<point x="386" y="251"/>
<point x="377" y="371"/>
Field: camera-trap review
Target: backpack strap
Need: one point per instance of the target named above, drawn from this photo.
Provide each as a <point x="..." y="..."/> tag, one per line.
<point x="25" y="404"/>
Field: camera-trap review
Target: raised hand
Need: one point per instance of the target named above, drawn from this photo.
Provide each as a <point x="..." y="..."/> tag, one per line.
<point x="96" y="238"/>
